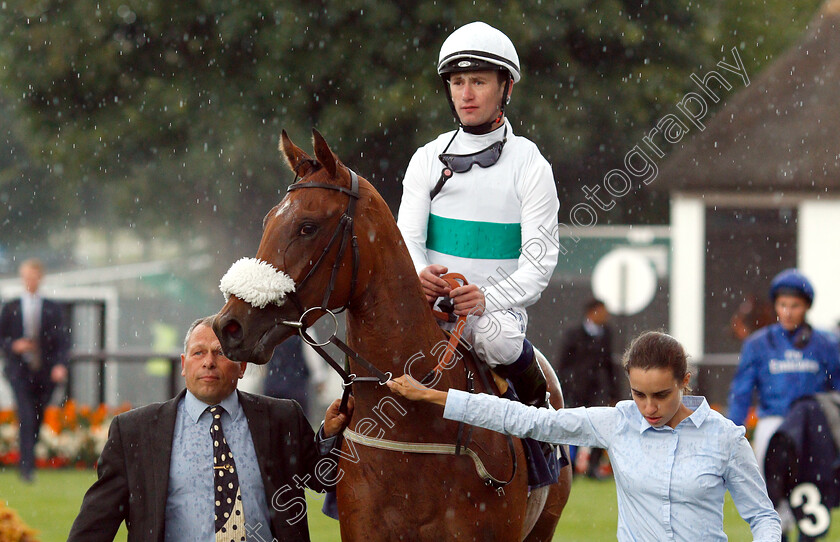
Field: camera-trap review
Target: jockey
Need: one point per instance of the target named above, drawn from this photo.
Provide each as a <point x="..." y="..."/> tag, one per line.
<point x="481" y="201"/>
<point x="783" y="361"/>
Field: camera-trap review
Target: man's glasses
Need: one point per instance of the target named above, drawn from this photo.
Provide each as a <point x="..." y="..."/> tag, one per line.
<point x="462" y="163"/>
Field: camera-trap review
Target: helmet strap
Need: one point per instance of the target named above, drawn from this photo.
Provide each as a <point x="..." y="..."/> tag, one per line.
<point x="448" y="91"/>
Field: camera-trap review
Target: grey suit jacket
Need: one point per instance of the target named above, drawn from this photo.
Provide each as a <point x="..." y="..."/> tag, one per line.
<point x="133" y="470"/>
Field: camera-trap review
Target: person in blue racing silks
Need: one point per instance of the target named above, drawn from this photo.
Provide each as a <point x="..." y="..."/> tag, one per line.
<point x="783" y="362"/>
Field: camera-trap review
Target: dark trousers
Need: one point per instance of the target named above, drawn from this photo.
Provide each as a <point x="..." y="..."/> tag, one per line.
<point x="32" y="399"/>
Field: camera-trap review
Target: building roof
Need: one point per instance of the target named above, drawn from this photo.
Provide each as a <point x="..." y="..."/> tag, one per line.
<point x="781" y="134"/>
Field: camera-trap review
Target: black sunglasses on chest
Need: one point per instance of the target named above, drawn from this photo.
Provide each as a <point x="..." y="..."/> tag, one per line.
<point x="462" y="163"/>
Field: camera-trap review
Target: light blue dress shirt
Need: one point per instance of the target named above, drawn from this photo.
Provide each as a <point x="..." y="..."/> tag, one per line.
<point x="670" y="482"/>
<point x="190" y="499"/>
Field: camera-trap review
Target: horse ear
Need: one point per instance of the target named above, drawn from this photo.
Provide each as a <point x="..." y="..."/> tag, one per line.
<point x="294" y="155"/>
<point x="323" y="153"/>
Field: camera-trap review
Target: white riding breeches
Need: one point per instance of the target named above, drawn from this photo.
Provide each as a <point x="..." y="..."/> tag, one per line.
<point x="496" y="336"/>
<point x="764" y="429"/>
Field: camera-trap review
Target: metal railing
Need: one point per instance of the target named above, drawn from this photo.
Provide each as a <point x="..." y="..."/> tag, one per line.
<point x="126" y="355"/>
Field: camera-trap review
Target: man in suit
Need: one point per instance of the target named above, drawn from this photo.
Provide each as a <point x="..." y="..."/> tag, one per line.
<point x="585" y="368"/>
<point x="35" y="343"/>
<point x="161" y="471"/>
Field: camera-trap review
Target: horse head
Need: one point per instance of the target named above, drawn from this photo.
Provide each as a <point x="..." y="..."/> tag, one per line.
<point x="309" y="258"/>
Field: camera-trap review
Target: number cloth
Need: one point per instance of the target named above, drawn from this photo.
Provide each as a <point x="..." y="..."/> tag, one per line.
<point x="803" y="462"/>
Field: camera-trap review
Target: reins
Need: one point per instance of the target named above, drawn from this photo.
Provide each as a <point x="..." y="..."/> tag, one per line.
<point x="452" y="279"/>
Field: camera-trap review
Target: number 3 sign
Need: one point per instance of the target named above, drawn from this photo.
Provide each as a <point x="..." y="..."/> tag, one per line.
<point x="813" y="518"/>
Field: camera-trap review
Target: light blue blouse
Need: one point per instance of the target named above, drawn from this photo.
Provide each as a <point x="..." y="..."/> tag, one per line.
<point x="670" y="482"/>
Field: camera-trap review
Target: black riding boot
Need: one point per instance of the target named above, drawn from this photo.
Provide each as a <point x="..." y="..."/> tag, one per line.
<point x="527" y="377"/>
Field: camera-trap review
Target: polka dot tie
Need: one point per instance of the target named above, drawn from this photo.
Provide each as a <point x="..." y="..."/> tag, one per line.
<point x="230" y="517"/>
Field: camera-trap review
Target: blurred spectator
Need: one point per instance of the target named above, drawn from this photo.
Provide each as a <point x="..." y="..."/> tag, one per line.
<point x="295" y="372"/>
<point x="35" y="343"/>
<point x="585" y="367"/>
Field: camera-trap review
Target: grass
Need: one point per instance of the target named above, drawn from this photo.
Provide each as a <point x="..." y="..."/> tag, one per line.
<point x="52" y="502"/>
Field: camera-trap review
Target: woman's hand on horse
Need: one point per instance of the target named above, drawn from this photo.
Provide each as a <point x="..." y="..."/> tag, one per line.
<point x="434" y="286"/>
<point x="411" y="389"/>
<point x="334" y="420"/>
<point x="469" y="300"/>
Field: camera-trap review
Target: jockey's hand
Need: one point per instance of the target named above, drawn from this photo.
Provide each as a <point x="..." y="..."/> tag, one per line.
<point x="434" y="286"/>
<point x="411" y="389"/>
<point x="468" y="299"/>
<point x="334" y="420"/>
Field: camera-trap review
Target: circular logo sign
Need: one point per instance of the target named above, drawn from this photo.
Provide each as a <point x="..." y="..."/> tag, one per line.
<point x="625" y="280"/>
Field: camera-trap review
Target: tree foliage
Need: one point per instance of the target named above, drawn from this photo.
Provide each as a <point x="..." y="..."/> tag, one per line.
<point x="165" y="115"/>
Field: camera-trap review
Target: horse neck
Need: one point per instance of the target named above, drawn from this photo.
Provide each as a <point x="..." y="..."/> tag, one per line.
<point x="394" y="328"/>
<point x="392" y="322"/>
<point x="389" y="322"/>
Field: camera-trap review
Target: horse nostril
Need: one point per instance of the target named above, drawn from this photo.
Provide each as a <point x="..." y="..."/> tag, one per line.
<point x="232" y="330"/>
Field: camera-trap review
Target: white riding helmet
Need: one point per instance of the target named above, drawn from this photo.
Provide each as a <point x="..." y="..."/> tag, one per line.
<point x="477" y="46"/>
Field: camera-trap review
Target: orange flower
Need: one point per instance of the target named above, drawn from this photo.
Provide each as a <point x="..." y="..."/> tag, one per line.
<point x="8" y="416"/>
<point x="13" y="528"/>
<point x="751" y="420"/>
<point x="98" y="416"/>
<point x="53" y="418"/>
<point x="70" y="418"/>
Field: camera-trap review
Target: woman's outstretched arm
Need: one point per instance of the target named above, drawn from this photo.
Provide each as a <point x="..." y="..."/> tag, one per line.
<point x="579" y="426"/>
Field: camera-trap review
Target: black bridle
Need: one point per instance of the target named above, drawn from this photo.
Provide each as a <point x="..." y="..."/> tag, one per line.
<point x="344" y="229"/>
<point x="344" y="235"/>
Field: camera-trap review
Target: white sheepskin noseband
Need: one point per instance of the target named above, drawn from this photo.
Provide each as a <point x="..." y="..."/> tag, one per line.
<point x="256" y="282"/>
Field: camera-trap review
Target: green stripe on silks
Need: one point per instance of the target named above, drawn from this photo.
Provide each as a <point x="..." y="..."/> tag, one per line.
<point x="476" y="240"/>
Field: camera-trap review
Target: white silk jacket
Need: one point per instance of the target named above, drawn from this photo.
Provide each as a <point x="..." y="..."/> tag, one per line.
<point x="497" y="226"/>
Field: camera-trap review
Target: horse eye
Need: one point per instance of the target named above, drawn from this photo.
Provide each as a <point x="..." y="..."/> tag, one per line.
<point x="308" y="229"/>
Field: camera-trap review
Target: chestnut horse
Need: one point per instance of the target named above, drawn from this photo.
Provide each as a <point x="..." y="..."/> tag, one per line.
<point x="336" y="245"/>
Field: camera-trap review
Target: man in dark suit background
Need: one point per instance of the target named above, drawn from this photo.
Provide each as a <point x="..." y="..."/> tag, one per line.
<point x="158" y="469"/>
<point x="585" y="368"/>
<point x="35" y="343"/>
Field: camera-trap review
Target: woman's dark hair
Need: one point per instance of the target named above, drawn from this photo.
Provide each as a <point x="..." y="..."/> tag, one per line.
<point x="657" y="350"/>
